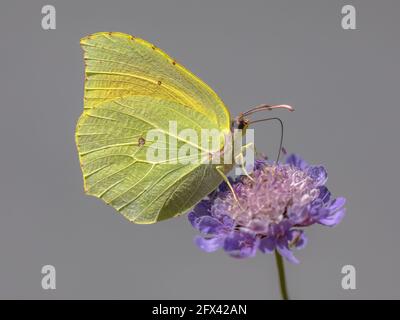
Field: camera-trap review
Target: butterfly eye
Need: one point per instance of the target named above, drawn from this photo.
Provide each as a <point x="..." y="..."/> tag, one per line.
<point x="243" y="124"/>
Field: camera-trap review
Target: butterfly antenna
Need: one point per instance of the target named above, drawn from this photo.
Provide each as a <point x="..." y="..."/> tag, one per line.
<point x="281" y="125"/>
<point x="267" y="107"/>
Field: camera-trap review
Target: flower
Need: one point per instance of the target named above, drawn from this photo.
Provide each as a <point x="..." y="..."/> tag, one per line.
<point x="271" y="207"/>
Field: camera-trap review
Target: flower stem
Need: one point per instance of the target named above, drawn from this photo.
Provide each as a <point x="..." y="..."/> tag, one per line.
<point x="282" y="278"/>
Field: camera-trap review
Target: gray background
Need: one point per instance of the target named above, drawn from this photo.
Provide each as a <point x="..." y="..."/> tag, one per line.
<point x="343" y="83"/>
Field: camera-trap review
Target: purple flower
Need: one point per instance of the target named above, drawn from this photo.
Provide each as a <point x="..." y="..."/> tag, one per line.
<point x="271" y="208"/>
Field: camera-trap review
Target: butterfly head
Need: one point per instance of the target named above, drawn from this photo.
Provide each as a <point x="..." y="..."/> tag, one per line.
<point x="241" y="122"/>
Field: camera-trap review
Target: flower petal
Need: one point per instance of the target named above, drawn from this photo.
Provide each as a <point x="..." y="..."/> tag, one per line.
<point x="284" y="251"/>
<point x="209" y="244"/>
<point x="296" y="161"/>
<point x="259" y="163"/>
<point x="209" y="225"/>
<point x="297" y="239"/>
<point x="318" y="174"/>
<point x="337" y="204"/>
<point x="317" y="210"/>
<point x="200" y="210"/>
<point x="324" y="194"/>
<point x="241" y="244"/>
<point x="336" y="213"/>
<point x="267" y="245"/>
<point x="280" y="229"/>
<point x="223" y="187"/>
<point x="300" y="218"/>
<point x="333" y="219"/>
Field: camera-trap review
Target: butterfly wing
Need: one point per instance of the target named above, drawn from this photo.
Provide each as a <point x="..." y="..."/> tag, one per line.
<point x="124" y="99"/>
<point x="117" y="64"/>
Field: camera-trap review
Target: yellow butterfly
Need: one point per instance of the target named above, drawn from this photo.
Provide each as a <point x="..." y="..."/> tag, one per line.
<point x="132" y="87"/>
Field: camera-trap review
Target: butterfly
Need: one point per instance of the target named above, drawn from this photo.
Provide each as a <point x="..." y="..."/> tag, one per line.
<point x="131" y="88"/>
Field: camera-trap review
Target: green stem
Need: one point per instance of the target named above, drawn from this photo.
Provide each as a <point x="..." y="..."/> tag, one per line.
<point x="282" y="278"/>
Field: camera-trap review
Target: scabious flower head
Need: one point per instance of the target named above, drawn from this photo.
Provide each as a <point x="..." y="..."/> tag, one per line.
<point x="271" y="206"/>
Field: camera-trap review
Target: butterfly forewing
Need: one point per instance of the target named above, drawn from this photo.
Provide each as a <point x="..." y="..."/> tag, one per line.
<point x="117" y="64"/>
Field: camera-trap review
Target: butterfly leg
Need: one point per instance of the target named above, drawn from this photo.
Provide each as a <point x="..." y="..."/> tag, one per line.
<point x="221" y="172"/>
<point x="240" y="157"/>
<point x="248" y="145"/>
